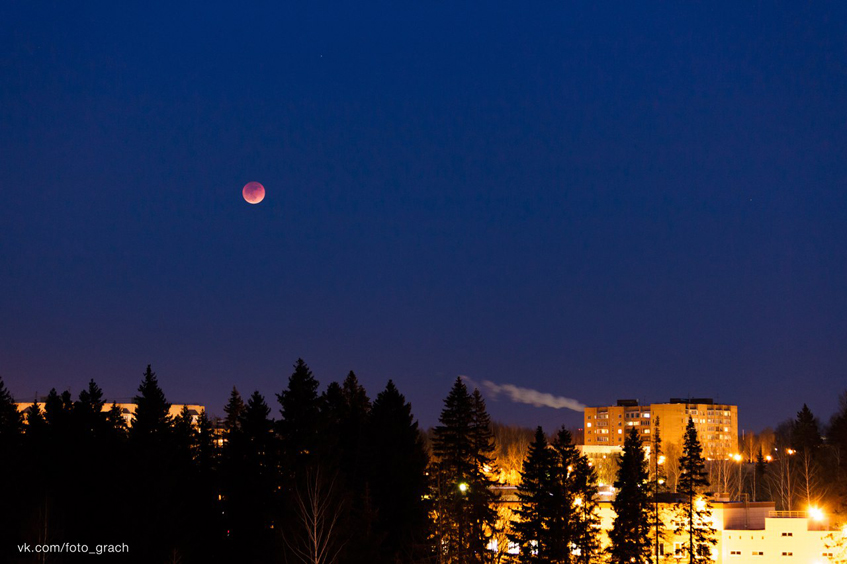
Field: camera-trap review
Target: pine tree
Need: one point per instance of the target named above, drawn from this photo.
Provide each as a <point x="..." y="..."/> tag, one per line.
<point x="531" y="527"/>
<point x="630" y="534"/>
<point x="465" y="517"/>
<point x="693" y="511"/>
<point x="397" y="474"/>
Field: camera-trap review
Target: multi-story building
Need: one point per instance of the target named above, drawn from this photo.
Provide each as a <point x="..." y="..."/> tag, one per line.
<point x="128" y="409"/>
<point x="745" y="533"/>
<point x="717" y="424"/>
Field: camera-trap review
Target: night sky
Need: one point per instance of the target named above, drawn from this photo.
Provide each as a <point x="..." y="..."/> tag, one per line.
<point x="596" y="201"/>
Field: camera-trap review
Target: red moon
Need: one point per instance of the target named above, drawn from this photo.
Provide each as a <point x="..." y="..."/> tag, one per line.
<point x="253" y="192"/>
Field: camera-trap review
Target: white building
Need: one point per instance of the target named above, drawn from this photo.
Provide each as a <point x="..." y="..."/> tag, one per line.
<point x="754" y="533"/>
<point x="746" y="533"/>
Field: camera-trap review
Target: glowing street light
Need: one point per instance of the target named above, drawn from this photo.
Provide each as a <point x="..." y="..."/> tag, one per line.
<point x="816" y="514"/>
<point x="463" y="487"/>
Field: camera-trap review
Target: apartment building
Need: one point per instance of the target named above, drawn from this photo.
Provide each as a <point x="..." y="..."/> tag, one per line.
<point x="716" y="424"/>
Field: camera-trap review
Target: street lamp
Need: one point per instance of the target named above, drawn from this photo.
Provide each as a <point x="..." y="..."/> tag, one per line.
<point x="816" y="514"/>
<point x="738" y="458"/>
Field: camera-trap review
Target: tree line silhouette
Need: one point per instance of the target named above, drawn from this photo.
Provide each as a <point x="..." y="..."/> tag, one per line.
<point x="337" y="478"/>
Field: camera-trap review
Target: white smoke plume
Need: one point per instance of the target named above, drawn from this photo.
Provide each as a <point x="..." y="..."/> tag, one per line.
<point x="527" y="395"/>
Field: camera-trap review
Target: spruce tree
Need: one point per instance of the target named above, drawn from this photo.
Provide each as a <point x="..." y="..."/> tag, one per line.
<point x="249" y="468"/>
<point x="233" y="409"/>
<point x="759" y="474"/>
<point x="12" y="475"/>
<point x="807" y="441"/>
<point x="206" y="450"/>
<point x="693" y="511"/>
<point x="357" y="407"/>
<point x="262" y="465"/>
<point x="345" y="410"/>
<point x="562" y="525"/>
<point x="151" y="419"/>
<point x="300" y="425"/>
<point x="54" y="411"/>
<point x="184" y="432"/>
<point x="397" y="474"/>
<point x="586" y="517"/>
<point x="530" y="530"/>
<point x="658" y="487"/>
<point x="805" y="432"/>
<point x="88" y="410"/>
<point x="630" y="534"/>
<point x="10" y="418"/>
<point x="116" y="423"/>
<point x="465" y="516"/>
<point x="151" y="440"/>
<point x="482" y="496"/>
<point x="332" y="420"/>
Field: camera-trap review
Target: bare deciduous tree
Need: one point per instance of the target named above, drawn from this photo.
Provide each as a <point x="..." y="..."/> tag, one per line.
<point x="316" y="538"/>
<point x="810" y="480"/>
<point x="779" y="481"/>
<point x="671" y="466"/>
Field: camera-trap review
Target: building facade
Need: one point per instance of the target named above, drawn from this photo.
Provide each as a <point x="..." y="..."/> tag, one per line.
<point x="128" y="409"/>
<point x="745" y="533"/>
<point x="716" y="424"/>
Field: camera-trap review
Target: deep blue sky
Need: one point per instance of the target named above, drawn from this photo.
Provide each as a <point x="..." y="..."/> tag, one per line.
<point x="594" y="201"/>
